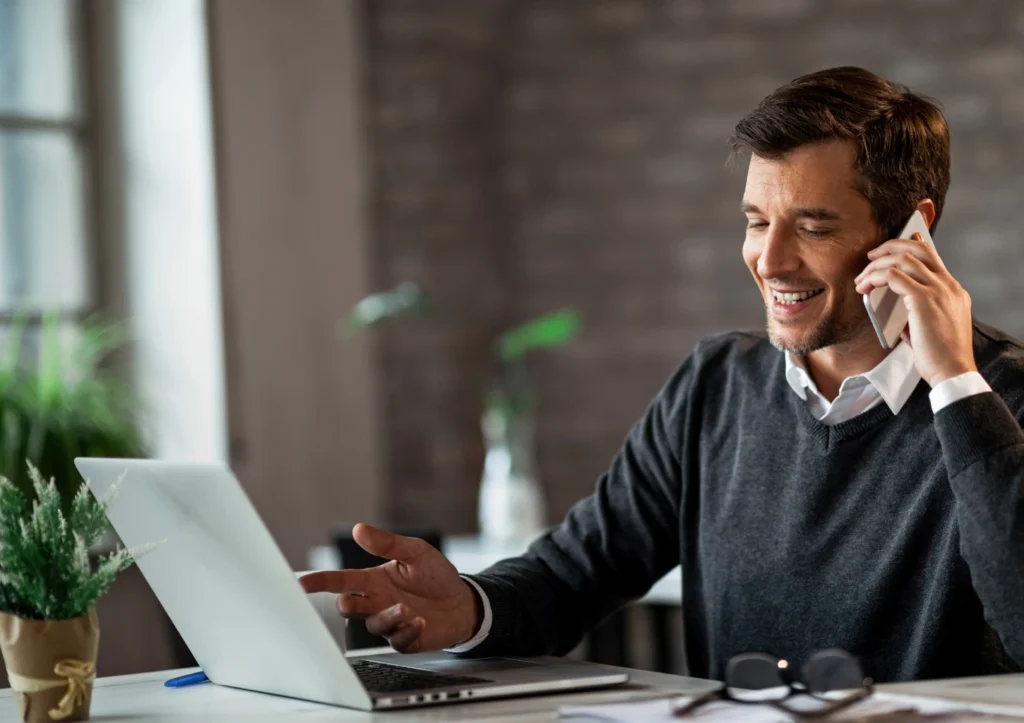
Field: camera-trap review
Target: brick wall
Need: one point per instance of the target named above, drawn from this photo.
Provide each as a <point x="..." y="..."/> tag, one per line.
<point x="528" y="155"/>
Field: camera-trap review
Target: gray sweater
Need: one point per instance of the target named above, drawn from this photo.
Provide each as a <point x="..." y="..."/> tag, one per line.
<point x="897" y="537"/>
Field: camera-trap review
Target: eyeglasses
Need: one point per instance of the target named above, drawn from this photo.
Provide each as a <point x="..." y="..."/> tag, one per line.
<point x="761" y="679"/>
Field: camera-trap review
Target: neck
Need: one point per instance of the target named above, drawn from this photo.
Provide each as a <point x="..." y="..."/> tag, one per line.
<point x="828" y="367"/>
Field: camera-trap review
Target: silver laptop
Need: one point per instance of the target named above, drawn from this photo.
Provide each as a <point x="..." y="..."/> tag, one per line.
<point x="236" y="602"/>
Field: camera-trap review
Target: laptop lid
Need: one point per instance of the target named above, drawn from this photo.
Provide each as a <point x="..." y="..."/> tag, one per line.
<point x="223" y="581"/>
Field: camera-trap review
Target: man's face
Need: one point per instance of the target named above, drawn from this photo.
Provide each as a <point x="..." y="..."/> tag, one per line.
<point x="808" y="233"/>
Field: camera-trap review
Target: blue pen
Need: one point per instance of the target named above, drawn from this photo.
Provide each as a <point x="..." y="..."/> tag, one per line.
<point x="190" y="679"/>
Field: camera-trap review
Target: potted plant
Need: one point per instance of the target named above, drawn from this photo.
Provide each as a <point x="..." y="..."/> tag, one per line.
<point x="49" y="584"/>
<point x="69" y="404"/>
<point x="511" y="505"/>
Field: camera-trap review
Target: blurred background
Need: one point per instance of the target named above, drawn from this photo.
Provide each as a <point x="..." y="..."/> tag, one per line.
<point x="228" y="178"/>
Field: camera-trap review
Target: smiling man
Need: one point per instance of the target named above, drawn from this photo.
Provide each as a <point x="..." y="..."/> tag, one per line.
<point x="819" y="491"/>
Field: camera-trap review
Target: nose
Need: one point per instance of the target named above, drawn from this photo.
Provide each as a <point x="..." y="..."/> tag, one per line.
<point x="778" y="255"/>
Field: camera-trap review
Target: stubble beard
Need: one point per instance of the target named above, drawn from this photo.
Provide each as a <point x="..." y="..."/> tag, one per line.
<point x="829" y="331"/>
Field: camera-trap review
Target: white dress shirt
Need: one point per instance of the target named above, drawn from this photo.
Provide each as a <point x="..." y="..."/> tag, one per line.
<point x="485" y="624"/>
<point x="892" y="382"/>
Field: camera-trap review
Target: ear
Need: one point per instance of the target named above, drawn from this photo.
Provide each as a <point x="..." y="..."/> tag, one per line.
<point x="927" y="209"/>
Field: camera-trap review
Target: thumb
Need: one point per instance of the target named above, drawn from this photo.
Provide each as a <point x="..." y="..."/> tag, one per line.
<point x="387" y="544"/>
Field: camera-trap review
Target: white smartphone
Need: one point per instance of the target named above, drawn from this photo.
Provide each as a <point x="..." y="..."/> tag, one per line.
<point x="885" y="307"/>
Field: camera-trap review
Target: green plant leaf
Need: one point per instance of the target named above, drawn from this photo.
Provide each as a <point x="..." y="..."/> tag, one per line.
<point x="72" y="403"/>
<point x="406" y="299"/>
<point x="45" y="567"/>
<point x="50" y="376"/>
<point x="554" y="329"/>
<point x="12" y="353"/>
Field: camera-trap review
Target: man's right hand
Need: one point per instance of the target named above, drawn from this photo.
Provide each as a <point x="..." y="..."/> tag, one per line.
<point x="417" y="601"/>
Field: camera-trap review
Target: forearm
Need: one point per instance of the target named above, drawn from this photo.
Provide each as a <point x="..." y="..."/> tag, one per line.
<point x="610" y="549"/>
<point x="526" y="612"/>
<point x="540" y="608"/>
<point x="983" y="446"/>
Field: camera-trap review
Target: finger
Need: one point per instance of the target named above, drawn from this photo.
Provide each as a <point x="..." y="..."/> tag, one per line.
<point x="387" y="544"/>
<point x="358" y="606"/>
<point x="338" y="581"/>
<point x="894" y="278"/>
<point x="915" y="241"/>
<point x="916" y="246"/>
<point x="908" y="263"/>
<point x="387" y="621"/>
<point x="409" y="638"/>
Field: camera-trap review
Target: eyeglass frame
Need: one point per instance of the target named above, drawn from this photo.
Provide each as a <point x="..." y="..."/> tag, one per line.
<point x="795" y="687"/>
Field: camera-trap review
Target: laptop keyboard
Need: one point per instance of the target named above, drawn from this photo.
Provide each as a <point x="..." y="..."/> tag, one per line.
<point x="384" y="678"/>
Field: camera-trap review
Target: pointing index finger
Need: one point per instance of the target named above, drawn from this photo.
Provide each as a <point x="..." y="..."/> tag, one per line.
<point x="389" y="545"/>
<point x="337" y="581"/>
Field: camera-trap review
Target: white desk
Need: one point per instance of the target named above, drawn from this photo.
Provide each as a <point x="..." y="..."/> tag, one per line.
<point x="142" y="697"/>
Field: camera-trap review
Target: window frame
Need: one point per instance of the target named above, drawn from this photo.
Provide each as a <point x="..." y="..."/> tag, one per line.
<point x="80" y="128"/>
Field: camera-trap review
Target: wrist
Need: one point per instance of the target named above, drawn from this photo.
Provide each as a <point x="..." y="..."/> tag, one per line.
<point x="951" y="372"/>
<point x="474" y="616"/>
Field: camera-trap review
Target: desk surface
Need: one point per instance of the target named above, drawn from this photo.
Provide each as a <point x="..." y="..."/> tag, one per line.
<point x="143" y="697"/>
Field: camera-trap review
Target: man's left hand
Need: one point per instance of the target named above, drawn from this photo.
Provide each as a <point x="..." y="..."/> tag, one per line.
<point x="939" y="309"/>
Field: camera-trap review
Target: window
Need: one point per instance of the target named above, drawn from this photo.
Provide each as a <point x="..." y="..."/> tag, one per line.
<point x="43" y="220"/>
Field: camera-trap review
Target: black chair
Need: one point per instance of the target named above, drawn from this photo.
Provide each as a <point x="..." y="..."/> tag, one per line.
<point x="354" y="557"/>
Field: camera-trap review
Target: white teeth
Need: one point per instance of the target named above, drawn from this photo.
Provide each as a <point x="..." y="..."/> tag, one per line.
<point x="787" y="299"/>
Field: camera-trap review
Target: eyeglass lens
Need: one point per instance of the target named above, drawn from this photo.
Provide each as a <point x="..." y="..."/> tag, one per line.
<point x="761" y="677"/>
<point x="830" y="670"/>
<point x="756" y="677"/>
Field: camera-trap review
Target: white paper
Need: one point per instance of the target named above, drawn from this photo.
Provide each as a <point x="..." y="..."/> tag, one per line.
<point x="661" y="710"/>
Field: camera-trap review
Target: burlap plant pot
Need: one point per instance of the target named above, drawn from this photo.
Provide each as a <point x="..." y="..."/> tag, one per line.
<point x="51" y="665"/>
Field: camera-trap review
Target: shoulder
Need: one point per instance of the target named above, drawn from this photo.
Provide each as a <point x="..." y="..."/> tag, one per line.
<point x="733" y="360"/>
<point x="735" y="350"/>
<point x="997" y="351"/>
<point x="1000" y="359"/>
<point x="719" y="367"/>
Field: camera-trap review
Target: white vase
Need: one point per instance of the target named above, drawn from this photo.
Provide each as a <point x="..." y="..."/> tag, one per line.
<point x="511" y="506"/>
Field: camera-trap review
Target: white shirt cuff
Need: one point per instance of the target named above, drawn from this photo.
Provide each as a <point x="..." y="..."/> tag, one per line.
<point x="485" y="626"/>
<point x="957" y="388"/>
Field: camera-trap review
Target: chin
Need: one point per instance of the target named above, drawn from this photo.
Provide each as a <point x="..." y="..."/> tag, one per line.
<point x="804" y="339"/>
<point x="796" y="344"/>
<point x="799" y="339"/>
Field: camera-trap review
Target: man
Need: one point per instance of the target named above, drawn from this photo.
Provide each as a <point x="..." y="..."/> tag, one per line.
<point x="818" y="491"/>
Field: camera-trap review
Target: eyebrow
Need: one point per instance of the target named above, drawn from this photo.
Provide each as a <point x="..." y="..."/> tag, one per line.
<point x="815" y="214"/>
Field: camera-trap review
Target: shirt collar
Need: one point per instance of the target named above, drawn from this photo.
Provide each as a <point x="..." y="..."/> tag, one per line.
<point x="895" y="377"/>
<point x="797" y="376"/>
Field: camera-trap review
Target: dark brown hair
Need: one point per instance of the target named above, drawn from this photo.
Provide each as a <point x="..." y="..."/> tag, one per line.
<point x="902" y="138"/>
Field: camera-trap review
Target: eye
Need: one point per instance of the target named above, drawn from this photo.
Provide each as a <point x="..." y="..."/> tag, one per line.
<point x="817" y="232"/>
<point x="754" y="225"/>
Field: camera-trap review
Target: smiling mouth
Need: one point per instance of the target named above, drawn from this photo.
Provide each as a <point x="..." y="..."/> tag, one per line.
<point x="788" y="298"/>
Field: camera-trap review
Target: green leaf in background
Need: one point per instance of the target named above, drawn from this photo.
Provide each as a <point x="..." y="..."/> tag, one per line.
<point x="70" y="404"/>
<point x="406" y="299"/>
<point x="12" y="353"/>
<point x="509" y="396"/>
<point x="554" y="329"/>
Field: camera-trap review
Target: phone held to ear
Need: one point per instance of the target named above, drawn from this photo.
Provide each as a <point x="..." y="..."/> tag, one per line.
<point x="885" y="307"/>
